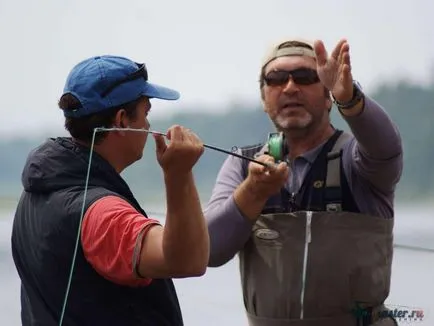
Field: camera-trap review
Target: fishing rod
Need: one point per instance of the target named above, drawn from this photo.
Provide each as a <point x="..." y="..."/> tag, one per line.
<point x="275" y="145"/>
<point x="218" y="149"/>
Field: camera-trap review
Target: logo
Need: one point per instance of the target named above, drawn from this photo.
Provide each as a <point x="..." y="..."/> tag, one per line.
<point x="267" y="234"/>
<point x="402" y="314"/>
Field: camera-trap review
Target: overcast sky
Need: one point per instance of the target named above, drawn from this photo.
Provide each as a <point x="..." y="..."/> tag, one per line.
<point x="208" y="50"/>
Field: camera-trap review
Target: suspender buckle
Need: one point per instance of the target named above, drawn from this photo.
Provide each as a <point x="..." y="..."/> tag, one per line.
<point x="334" y="207"/>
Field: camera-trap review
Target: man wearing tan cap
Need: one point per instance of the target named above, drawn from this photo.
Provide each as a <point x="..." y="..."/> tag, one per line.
<point x="314" y="234"/>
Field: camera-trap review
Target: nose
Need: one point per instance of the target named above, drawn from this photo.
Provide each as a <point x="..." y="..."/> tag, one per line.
<point x="290" y="87"/>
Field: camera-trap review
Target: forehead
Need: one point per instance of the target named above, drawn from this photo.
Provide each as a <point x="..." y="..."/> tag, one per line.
<point x="290" y="63"/>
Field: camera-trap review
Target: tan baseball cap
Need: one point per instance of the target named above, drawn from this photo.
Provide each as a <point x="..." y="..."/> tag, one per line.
<point x="283" y="48"/>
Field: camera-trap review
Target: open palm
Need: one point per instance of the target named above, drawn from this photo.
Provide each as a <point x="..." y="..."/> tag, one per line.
<point x="335" y="71"/>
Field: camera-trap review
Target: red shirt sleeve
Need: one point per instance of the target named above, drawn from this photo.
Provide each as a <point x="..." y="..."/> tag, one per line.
<point x="111" y="236"/>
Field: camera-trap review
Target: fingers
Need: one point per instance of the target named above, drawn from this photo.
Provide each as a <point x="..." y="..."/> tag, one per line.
<point x="337" y="52"/>
<point x="181" y="136"/>
<point x="258" y="168"/>
<point x="320" y="52"/>
<point x="346" y="74"/>
<point x="283" y="171"/>
<point x="282" y="168"/>
<point x="192" y="137"/>
<point x="345" y="64"/>
<point x="344" y="54"/>
<point x="195" y="141"/>
<point x="280" y="171"/>
<point x="160" y="143"/>
<point x="175" y="134"/>
<point x="268" y="180"/>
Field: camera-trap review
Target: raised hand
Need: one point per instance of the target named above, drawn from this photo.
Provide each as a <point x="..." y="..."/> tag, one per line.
<point x="335" y="71"/>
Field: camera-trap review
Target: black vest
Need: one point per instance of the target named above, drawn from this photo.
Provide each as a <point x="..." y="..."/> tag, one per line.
<point x="316" y="192"/>
<point x="43" y="240"/>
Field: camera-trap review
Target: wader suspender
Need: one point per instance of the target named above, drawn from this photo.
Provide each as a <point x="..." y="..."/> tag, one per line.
<point x="334" y="185"/>
<point x="325" y="188"/>
<point x="328" y="185"/>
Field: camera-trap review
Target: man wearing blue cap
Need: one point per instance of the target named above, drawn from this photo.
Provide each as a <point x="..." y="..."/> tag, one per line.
<point x="122" y="261"/>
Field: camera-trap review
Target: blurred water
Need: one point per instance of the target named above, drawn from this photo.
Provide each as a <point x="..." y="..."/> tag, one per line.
<point x="215" y="298"/>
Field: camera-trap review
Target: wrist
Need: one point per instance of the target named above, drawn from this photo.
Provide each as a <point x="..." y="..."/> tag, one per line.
<point x="181" y="194"/>
<point x="343" y="99"/>
<point x="178" y="180"/>
<point x="254" y="192"/>
<point x="170" y="175"/>
<point x="248" y="201"/>
<point x="355" y="110"/>
<point x="356" y="99"/>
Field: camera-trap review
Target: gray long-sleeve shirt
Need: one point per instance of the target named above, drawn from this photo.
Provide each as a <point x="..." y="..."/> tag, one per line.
<point x="372" y="161"/>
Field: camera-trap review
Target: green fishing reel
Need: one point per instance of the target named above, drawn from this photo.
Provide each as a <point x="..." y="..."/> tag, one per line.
<point x="277" y="147"/>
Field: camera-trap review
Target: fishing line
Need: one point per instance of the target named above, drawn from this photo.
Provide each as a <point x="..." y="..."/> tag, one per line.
<point x="218" y="149"/>
<point x="87" y="183"/>
<point x="79" y="228"/>
<point x="275" y="151"/>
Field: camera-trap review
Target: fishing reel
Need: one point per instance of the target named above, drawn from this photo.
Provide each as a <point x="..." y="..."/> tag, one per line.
<point x="277" y="147"/>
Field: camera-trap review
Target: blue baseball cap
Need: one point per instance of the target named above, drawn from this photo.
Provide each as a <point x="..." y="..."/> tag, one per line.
<point x="104" y="82"/>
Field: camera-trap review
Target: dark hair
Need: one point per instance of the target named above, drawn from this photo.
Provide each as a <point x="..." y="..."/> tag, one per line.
<point x="82" y="128"/>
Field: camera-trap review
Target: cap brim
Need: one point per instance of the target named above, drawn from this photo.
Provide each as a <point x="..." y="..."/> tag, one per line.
<point x="160" y="92"/>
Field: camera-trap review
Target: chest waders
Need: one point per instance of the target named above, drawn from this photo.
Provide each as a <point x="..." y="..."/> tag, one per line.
<point x="313" y="259"/>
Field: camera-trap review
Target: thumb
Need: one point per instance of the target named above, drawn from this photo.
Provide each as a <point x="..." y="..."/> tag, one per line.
<point x="160" y="143"/>
<point x="283" y="169"/>
<point x="320" y="52"/>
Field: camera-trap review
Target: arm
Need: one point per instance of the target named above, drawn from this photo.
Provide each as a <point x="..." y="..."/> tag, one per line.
<point x="110" y="238"/>
<point x="377" y="154"/>
<point x="181" y="249"/>
<point x="229" y="228"/>
<point x="129" y="249"/>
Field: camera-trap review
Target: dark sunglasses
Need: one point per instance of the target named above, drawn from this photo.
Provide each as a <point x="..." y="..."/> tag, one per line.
<point x="301" y="76"/>
<point x="141" y="72"/>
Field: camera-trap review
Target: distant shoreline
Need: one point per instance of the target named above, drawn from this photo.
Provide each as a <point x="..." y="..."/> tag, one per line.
<point x="157" y="204"/>
<point x="151" y="204"/>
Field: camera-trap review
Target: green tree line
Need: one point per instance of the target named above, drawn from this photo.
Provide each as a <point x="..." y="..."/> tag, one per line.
<point x="409" y="105"/>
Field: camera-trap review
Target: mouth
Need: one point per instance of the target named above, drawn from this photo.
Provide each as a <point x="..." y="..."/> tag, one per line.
<point x="292" y="105"/>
